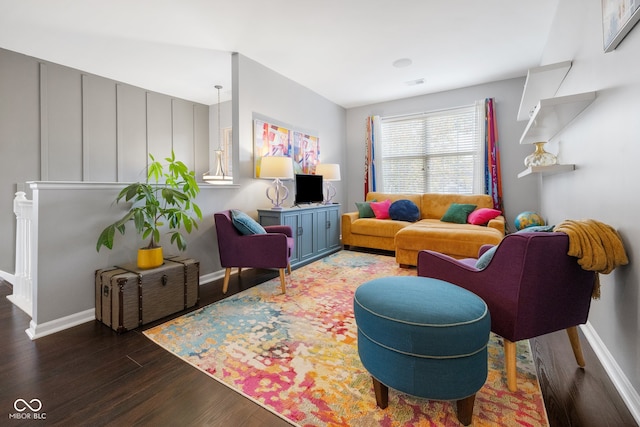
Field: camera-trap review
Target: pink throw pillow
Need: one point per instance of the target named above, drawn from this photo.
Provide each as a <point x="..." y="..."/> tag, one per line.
<point x="482" y="216"/>
<point x="381" y="209"/>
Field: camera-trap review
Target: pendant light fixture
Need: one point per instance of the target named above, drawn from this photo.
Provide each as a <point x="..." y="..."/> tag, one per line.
<point x="219" y="176"/>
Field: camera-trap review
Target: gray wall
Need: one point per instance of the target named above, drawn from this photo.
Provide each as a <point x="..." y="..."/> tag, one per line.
<point x="518" y="194"/>
<point x="19" y="140"/>
<point x="263" y="92"/>
<point x="604" y="144"/>
<point x="59" y="124"/>
<point x="71" y="215"/>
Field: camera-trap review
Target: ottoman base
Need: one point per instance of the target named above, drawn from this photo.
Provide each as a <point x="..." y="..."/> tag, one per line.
<point x="464" y="406"/>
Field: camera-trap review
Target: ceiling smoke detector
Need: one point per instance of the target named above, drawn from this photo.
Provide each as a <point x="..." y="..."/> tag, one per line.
<point x="402" y="63"/>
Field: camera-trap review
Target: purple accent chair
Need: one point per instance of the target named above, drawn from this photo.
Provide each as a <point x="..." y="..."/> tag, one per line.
<point x="531" y="286"/>
<point x="271" y="250"/>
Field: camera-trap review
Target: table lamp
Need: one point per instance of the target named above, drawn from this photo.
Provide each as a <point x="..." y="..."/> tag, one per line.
<point x="276" y="168"/>
<point x="330" y="172"/>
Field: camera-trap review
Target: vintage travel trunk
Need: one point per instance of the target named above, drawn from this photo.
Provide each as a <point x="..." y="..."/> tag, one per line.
<point x="128" y="297"/>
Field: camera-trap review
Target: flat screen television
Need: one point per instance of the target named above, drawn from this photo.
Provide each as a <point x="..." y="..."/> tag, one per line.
<point x="308" y="189"/>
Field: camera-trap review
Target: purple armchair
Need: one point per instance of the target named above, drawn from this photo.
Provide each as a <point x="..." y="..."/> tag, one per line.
<point x="271" y="250"/>
<point x="531" y="286"/>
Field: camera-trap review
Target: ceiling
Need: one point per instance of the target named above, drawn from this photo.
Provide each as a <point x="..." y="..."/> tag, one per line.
<point x="340" y="49"/>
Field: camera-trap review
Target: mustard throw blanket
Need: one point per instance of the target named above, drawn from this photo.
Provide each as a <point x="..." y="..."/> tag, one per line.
<point x="597" y="246"/>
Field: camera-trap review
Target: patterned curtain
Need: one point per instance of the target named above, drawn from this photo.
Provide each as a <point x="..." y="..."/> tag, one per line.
<point x="369" y="157"/>
<point x="492" y="177"/>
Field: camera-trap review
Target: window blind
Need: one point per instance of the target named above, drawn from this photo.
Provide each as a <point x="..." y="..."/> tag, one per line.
<point x="435" y="152"/>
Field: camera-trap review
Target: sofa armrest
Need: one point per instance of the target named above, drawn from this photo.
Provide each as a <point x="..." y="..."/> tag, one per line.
<point x="282" y="229"/>
<point x="347" y="219"/>
<point x="498" y="223"/>
<point x="350" y="216"/>
<point x="431" y="264"/>
<point x="259" y="250"/>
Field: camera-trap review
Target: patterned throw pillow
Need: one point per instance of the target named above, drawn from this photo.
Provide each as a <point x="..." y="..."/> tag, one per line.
<point x="404" y="210"/>
<point x="245" y="224"/>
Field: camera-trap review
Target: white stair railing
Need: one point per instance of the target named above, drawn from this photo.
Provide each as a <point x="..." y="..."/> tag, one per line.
<point x="22" y="285"/>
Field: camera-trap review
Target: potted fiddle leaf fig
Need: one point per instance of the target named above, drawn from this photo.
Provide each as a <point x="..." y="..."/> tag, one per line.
<point x="165" y="199"/>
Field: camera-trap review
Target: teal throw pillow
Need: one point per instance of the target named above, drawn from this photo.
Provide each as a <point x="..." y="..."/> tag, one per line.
<point x="404" y="210"/>
<point x="364" y="209"/>
<point x="485" y="258"/>
<point x="536" y="228"/>
<point x="245" y="224"/>
<point x="458" y="213"/>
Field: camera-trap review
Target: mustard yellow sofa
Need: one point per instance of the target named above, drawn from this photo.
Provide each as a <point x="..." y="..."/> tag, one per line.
<point x="408" y="238"/>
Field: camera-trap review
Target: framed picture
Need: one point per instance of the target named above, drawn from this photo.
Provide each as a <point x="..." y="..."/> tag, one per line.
<point x="306" y="152"/>
<point x="269" y="140"/>
<point x="618" y="18"/>
<point x="273" y="139"/>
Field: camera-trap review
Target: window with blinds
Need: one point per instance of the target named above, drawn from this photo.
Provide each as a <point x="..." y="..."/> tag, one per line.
<point x="435" y="152"/>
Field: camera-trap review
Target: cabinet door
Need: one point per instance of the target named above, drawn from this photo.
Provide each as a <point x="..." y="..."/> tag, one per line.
<point x="293" y="221"/>
<point x="307" y="235"/>
<point x="333" y="227"/>
<point x="322" y="220"/>
<point x="327" y="229"/>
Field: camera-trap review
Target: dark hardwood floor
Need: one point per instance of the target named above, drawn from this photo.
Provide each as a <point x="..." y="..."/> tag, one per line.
<point x="90" y="376"/>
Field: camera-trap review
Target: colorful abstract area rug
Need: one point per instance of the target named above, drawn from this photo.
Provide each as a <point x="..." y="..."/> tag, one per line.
<point x="296" y="354"/>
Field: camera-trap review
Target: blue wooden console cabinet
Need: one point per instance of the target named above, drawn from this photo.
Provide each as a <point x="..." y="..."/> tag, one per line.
<point x="315" y="227"/>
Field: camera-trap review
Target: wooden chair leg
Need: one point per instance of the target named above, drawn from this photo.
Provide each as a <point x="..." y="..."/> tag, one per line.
<point x="465" y="409"/>
<point x="282" y="281"/>
<point x="289" y="268"/>
<point x="510" y="364"/>
<point x="382" y="393"/>
<point x="225" y="286"/>
<point x="574" y="338"/>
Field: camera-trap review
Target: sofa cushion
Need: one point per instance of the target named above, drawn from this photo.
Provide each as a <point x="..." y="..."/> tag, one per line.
<point x="456" y="240"/>
<point x="245" y="224"/>
<point x="481" y="216"/>
<point x="381" y="209"/>
<point x="364" y="209"/>
<point x="458" y="213"/>
<point x="377" y="227"/>
<point x="435" y="205"/>
<point x="404" y="210"/>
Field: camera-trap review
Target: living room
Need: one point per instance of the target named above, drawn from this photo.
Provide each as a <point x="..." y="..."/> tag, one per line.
<point x="601" y="142"/>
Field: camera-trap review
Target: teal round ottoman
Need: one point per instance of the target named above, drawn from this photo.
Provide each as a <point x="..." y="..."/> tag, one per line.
<point x="424" y="337"/>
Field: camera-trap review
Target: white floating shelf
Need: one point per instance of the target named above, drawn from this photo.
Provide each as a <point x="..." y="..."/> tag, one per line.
<point x="542" y="83"/>
<point x="546" y="170"/>
<point x="553" y="114"/>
